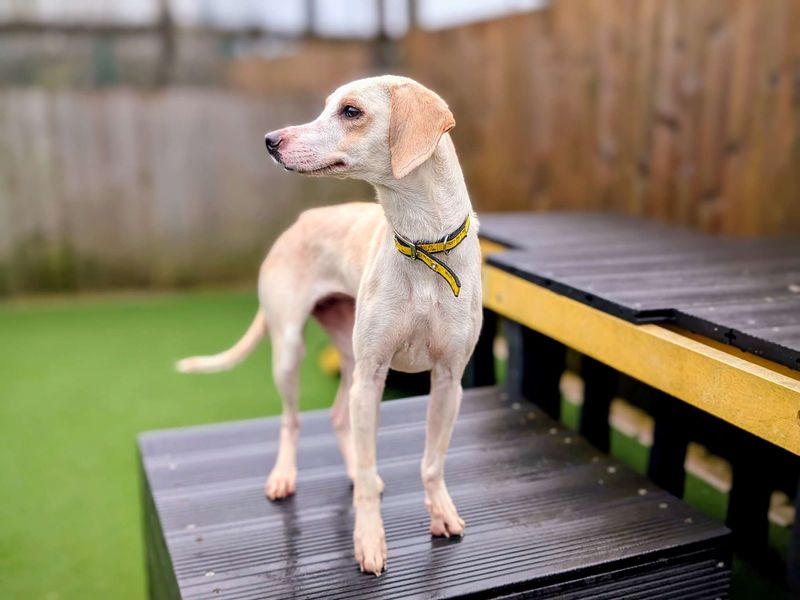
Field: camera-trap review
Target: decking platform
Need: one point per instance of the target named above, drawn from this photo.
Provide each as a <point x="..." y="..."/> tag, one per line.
<point x="707" y="325"/>
<point x="547" y="515"/>
<point x="742" y="292"/>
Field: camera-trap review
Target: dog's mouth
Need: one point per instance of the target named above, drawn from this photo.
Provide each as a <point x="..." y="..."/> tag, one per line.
<point x="330" y="168"/>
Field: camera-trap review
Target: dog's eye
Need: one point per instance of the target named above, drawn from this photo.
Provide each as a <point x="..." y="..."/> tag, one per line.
<point x="351" y="112"/>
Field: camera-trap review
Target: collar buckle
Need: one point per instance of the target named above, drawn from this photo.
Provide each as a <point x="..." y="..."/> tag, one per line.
<point x="413" y="247"/>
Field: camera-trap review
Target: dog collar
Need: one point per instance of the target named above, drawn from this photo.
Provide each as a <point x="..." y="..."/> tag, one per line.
<point x="424" y="251"/>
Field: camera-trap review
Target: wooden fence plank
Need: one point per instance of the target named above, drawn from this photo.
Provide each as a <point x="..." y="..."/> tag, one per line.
<point x="125" y="187"/>
<point x="685" y="111"/>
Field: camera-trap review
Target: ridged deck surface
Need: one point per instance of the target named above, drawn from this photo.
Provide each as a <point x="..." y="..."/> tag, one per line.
<point x="546" y="515"/>
<point x="741" y="292"/>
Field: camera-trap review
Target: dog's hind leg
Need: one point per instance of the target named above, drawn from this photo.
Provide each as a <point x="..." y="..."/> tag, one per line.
<point x="287" y="352"/>
<point x="336" y="315"/>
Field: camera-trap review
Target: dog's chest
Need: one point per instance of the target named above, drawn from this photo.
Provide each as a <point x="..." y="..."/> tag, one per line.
<point x="424" y="334"/>
<point x="413" y="355"/>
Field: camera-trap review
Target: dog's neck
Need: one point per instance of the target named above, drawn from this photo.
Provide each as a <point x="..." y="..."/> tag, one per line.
<point x="431" y="201"/>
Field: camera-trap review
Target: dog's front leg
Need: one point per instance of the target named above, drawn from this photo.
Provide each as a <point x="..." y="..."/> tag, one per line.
<point x="443" y="407"/>
<point x="369" y="540"/>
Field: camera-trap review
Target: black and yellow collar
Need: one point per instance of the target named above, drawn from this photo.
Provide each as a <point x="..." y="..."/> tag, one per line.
<point x="424" y="252"/>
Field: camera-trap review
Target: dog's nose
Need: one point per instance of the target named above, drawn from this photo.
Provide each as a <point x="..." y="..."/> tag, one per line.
<point x="273" y="142"/>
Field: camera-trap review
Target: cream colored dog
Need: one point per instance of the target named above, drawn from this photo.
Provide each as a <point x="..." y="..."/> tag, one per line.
<point x="381" y="308"/>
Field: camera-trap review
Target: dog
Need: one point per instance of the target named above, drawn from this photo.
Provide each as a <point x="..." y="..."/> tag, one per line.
<point x="394" y="283"/>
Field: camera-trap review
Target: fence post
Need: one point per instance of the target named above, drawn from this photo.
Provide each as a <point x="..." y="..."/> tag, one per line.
<point x="670" y="442"/>
<point x="600" y="385"/>
<point x="165" y="70"/>
<point x="535" y="365"/>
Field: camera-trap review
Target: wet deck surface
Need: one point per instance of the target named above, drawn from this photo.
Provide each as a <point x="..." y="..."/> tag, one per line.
<point x="547" y="515"/>
<point x="741" y="292"/>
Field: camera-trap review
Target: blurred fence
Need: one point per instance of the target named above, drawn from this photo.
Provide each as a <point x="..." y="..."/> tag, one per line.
<point x="685" y="111"/>
<point x="126" y="187"/>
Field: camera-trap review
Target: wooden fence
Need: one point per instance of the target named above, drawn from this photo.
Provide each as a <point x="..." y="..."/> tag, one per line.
<point x="684" y="110"/>
<point x="681" y="110"/>
<point x="126" y="187"/>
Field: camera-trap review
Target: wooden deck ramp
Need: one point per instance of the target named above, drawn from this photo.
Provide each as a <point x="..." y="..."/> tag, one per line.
<point x="547" y="515"/>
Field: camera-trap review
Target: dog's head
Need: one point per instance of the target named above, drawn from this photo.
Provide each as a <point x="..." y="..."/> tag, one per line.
<point x="377" y="129"/>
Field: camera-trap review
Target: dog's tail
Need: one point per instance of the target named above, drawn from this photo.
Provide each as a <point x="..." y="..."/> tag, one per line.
<point x="232" y="356"/>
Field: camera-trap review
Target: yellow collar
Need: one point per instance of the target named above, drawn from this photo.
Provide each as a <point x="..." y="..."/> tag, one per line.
<point x="424" y="252"/>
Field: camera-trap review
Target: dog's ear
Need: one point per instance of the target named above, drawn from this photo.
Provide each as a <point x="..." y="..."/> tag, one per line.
<point x="418" y="119"/>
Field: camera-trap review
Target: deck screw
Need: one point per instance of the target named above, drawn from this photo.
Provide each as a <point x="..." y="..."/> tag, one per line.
<point x="612" y="470"/>
<point x="567" y="440"/>
<point x="688" y="520"/>
<point x="553" y="431"/>
<point x="663" y="505"/>
<point x="642" y="492"/>
<point x="720" y="565"/>
<point x="209" y="573"/>
<point x="515" y="406"/>
<point x="600" y="482"/>
<point x="190" y="526"/>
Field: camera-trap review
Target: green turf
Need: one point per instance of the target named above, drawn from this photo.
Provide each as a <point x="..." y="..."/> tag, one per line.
<point x="79" y="381"/>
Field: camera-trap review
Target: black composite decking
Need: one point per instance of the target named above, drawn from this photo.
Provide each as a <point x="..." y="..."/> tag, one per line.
<point x="741" y="292"/>
<point x="547" y="515"/>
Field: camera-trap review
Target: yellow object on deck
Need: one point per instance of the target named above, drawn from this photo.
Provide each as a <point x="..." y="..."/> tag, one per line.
<point x="329" y="360"/>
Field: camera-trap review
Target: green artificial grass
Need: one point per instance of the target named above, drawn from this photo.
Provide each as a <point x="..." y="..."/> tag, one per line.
<point x="79" y="380"/>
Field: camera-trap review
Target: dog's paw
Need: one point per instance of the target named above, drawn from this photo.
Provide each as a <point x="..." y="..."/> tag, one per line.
<point x="280" y="483"/>
<point x="369" y="543"/>
<point x="444" y="516"/>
